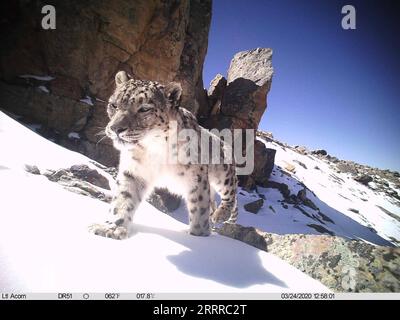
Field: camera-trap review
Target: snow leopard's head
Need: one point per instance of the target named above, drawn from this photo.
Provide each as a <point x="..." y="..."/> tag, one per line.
<point x="138" y="108"/>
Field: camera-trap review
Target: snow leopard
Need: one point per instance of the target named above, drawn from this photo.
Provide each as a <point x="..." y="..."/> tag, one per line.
<point x="141" y="114"/>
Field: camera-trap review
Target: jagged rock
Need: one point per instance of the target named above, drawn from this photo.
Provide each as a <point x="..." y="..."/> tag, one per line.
<point x="254" y="206"/>
<point x="83" y="172"/>
<point x="249" y="81"/>
<point x="216" y="93"/>
<point x="83" y="180"/>
<point x="302" y="197"/>
<point x="164" y="201"/>
<point x="156" y="40"/>
<point x="32" y="169"/>
<point x="264" y="159"/>
<point x="302" y="194"/>
<point x="301" y="149"/>
<point x="332" y="158"/>
<point x="364" y="179"/>
<point x="283" y="188"/>
<point x="341" y="265"/>
<point x="393" y="194"/>
<point x="249" y="235"/>
<point x="300" y="164"/>
<point x="74" y="181"/>
<point x="290" y="167"/>
<point x="268" y="136"/>
<point x="320" y="152"/>
<point x="55" y="112"/>
<point x="244" y="98"/>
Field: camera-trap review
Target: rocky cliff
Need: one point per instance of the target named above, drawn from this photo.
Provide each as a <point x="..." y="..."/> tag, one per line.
<point x="61" y="78"/>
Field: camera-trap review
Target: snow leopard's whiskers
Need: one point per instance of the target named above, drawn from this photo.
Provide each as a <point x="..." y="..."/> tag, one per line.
<point x="101" y="139"/>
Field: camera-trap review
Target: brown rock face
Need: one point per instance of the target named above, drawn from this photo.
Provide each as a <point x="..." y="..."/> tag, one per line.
<point x="150" y="39"/>
<point x="249" y="81"/>
<point x="243" y="100"/>
<point x="240" y="101"/>
<point x="264" y="159"/>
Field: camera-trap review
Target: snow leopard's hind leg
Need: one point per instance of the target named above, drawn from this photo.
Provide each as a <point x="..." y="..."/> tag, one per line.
<point x="225" y="183"/>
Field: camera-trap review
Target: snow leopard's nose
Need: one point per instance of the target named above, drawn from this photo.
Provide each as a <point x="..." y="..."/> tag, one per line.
<point x="118" y="129"/>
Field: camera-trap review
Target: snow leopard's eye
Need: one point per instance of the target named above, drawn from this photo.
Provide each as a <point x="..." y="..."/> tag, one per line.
<point x="144" y="108"/>
<point x="112" y="106"/>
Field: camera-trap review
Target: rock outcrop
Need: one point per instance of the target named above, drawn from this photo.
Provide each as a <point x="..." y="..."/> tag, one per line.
<point x="254" y="206"/>
<point x="320" y="152"/>
<point x="363" y="179"/>
<point x="341" y="265"/>
<point x="239" y="102"/>
<point x="157" y="40"/>
<point x="96" y="182"/>
<point x="264" y="159"/>
<point x="215" y="95"/>
<point x="243" y="95"/>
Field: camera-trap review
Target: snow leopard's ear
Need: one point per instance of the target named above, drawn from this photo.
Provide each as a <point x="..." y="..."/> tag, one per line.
<point x="173" y="93"/>
<point x="120" y="78"/>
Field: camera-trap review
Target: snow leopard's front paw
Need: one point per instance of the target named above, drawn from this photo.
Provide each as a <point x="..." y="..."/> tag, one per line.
<point x="109" y="230"/>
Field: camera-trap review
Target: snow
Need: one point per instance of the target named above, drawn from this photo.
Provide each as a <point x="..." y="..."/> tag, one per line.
<point x="40" y="78"/>
<point x="74" y="135"/>
<point x="87" y="100"/>
<point x="26" y="147"/>
<point x="45" y="245"/>
<point x="43" y="89"/>
<point x="335" y="193"/>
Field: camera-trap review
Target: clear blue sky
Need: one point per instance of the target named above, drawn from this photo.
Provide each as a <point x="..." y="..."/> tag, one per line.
<point x="332" y="88"/>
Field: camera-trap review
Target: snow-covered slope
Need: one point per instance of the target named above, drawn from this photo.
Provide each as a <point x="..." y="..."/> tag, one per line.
<point x="45" y="245"/>
<point x="347" y="208"/>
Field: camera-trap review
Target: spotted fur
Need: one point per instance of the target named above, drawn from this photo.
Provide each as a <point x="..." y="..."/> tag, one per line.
<point x="140" y="115"/>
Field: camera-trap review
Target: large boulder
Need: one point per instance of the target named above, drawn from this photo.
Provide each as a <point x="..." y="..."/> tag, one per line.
<point x="244" y="98"/>
<point x="156" y="40"/>
<point x="319" y="152"/>
<point x="239" y="102"/>
<point x="264" y="159"/>
<point x="364" y="179"/>
<point x="249" y="81"/>
<point x="254" y="206"/>
<point x="341" y="265"/>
